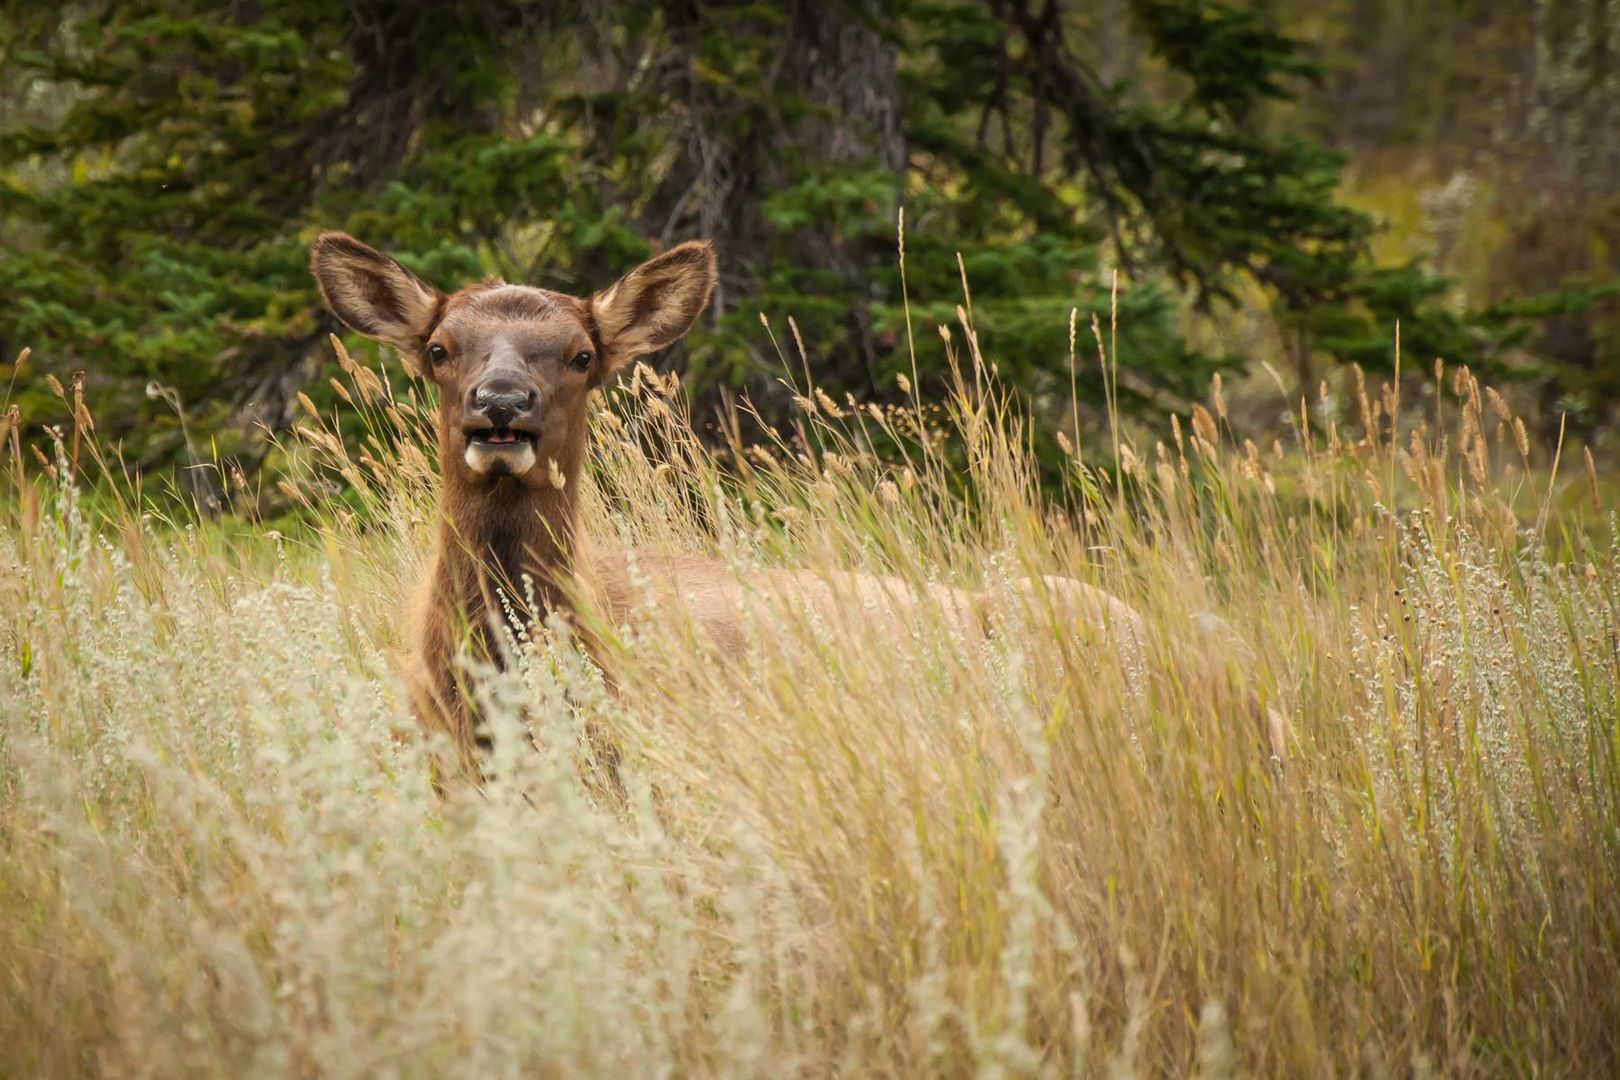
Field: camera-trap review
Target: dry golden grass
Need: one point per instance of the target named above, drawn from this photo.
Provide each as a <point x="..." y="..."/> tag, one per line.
<point x="858" y="850"/>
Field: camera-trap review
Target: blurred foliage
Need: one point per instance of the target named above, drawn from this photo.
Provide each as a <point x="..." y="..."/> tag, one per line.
<point x="168" y="161"/>
<point x="1485" y="137"/>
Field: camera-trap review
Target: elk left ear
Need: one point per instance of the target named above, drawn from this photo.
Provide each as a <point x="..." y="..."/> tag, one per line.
<point x="654" y="304"/>
<point x="373" y="293"/>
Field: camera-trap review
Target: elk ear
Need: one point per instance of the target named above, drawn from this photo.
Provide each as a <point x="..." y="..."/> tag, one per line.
<point x="654" y="304"/>
<point x="372" y="293"/>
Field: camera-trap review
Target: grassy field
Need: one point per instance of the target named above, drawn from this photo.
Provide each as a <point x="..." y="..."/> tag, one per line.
<point x="856" y="850"/>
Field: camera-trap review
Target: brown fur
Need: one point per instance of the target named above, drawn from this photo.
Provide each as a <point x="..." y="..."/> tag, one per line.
<point x="517" y="534"/>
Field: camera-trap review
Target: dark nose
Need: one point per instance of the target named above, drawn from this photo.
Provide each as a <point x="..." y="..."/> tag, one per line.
<point x="502" y="403"/>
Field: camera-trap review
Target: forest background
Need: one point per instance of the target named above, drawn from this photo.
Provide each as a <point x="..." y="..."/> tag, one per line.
<point x="1263" y="189"/>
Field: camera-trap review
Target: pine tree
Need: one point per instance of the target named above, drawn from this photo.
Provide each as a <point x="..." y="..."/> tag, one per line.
<point x="181" y="154"/>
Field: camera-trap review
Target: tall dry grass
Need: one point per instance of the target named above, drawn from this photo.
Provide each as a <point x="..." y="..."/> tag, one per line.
<point x="860" y="848"/>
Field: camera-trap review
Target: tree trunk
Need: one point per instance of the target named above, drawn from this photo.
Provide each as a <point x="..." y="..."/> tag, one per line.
<point x="834" y="78"/>
<point x="847" y="72"/>
<point x="844" y="68"/>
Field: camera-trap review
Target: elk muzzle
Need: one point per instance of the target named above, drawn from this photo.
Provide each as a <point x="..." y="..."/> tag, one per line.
<point x="501" y="425"/>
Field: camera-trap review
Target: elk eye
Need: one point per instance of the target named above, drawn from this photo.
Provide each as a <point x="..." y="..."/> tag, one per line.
<point x="582" y="361"/>
<point x="437" y="353"/>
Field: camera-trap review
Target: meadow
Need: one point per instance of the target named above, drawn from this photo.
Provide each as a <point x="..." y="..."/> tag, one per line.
<point x="859" y="851"/>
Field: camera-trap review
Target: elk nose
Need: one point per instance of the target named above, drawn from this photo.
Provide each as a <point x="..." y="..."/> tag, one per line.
<point x="502" y="404"/>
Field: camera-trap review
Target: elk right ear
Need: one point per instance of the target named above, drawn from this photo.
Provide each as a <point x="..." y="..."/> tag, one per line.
<point x="372" y="293"/>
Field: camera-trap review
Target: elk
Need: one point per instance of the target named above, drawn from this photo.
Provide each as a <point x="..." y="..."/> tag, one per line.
<point x="515" y="367"/>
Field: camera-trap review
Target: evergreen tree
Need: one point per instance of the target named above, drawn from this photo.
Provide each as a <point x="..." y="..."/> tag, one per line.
<point x="160" y="195"/>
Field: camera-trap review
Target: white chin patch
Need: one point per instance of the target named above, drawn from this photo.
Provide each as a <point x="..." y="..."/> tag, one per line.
<point x="510" y="459"/>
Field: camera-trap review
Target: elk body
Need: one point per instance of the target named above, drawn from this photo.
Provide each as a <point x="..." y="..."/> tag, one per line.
<point x="515" y="366"/>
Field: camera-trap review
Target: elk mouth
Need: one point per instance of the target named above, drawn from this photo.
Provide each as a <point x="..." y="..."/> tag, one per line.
<point x="498" y="437"/>
<point x="500" y="451"/>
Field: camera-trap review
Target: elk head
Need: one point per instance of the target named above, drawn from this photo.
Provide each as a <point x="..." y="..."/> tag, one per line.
<point x="514" y="364"/>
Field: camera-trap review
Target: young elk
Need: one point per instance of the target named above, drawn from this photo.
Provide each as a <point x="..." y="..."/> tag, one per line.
<point x="515" y="367"/>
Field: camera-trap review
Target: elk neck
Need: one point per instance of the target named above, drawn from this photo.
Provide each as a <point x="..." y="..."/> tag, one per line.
<point x="505" y="535"/>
